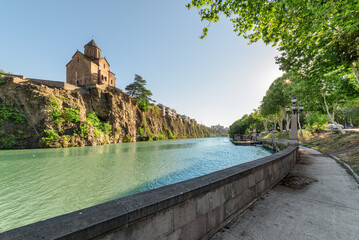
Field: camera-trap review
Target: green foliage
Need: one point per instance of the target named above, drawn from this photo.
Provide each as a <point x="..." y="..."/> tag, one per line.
<point x="97" y="132"/>
<point x="99" y="127"/>
<point x="315" y="122"/>
<point x="83" y="130"/>
<point x="51" y="138"/>
<point x="56" y="113"/>
<point x="142" y="136"/>
<point x="159" y="137"/>
<point x="7" y="142"/>
<point x="138" y="90"/>
<point x="72" y="115"/>
<point x="105" y="127"/>
<point x="170" y="134"/>
<point x="247" y="124"/>
<point x="8" y="112"/>
<point x="277" y="96"/>
<point x="320" y="35"/>
<point x="127" y="138"/>
<point x="93" y="119"/>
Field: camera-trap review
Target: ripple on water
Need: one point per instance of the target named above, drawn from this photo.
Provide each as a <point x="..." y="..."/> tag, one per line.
<point x="43" y="183"/>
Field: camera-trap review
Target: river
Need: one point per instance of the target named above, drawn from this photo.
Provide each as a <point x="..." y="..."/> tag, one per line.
<point x="43" y="183"/>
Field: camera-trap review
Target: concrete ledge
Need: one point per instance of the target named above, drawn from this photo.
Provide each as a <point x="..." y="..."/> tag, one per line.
<point x="275" y="144"/>
<point x="347" y="167"/>
<point x="192" y="209"/>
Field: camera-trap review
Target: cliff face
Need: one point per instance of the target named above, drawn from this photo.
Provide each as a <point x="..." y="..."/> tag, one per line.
<point x="34" y="116"/>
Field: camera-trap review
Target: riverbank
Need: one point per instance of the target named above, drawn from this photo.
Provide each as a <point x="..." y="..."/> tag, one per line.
<point x="318" y="200"/>
<point x="343" y="146"/>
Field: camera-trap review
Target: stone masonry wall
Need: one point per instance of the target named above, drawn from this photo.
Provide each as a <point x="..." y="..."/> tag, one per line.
<point x="192" y="209"/>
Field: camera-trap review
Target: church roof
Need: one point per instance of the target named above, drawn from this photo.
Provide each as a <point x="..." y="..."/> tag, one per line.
<point x="92" y="43"/>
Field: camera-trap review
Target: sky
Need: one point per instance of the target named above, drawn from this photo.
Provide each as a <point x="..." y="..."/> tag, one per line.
<point x="215" y="80"/>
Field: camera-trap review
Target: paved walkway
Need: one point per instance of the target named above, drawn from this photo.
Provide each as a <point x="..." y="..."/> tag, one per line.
<point x="326" y="209"/>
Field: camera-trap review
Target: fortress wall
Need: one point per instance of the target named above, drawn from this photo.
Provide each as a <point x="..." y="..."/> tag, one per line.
<point x="55" y="84"/>
<point x="192" y="209"/>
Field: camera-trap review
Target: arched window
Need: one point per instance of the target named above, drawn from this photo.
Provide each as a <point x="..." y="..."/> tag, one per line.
<point x="102" y="77"/>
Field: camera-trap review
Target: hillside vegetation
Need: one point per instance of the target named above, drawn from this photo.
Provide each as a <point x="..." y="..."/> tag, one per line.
<point x="33" y="116"/>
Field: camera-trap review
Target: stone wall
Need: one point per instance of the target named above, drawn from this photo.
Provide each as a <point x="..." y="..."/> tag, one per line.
<point x="55" y="84"/>
<point x="192" y="209"/>
<point x="275" y="144"/>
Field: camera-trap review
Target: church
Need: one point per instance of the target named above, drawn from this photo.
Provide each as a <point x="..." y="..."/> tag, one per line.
<point x="89" y="68"/>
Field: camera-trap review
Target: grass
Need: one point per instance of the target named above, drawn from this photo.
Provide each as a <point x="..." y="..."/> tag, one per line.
<point x="345" y="147"/>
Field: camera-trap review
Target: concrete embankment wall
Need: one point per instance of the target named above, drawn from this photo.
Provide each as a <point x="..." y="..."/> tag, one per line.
<point x="192" y="209"/>
<point x="275" y="144"/>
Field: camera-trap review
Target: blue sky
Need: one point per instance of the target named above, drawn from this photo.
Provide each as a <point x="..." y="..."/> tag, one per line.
<point x="215" y="80"/>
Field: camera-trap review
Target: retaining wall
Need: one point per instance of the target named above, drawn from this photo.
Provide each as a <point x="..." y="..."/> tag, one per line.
<point x="275" y="144"/>
<point x="192" y="209"/>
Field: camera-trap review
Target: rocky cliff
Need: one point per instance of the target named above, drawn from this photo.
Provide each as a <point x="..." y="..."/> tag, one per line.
<point x="33" y="116"/>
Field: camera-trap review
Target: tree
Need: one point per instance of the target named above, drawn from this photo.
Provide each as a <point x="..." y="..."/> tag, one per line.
<point x="138" y="90"/>
<point x="325" y="93"/>
<point x="247" y="124"/>
<point x="277" y="97"/>
<point x="309" y="33"/>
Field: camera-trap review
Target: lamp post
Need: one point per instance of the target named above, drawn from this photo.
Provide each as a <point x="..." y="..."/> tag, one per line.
<point x="294" y="128"/>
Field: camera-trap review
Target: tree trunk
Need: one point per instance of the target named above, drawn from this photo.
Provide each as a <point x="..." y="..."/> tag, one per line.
<point x="281" y="119"/>
<point x="300" y="127"/>
<point x="265" y="123"/>
<point x="288" y="123"/>
<point x="331" y="116"/>
<point x="355" y="67"/>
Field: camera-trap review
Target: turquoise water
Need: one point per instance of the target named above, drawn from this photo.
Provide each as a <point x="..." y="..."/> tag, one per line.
<point x="43" y="183"/>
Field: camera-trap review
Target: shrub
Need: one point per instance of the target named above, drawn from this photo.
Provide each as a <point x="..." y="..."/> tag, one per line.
<point x="56" y="114"/>
<point x="84" y="130"/>
<point x="93" y="119"/>
<point x="51" y="138"/>
<point x="142" y="136"/>
<point x="97" y="132"/>
<point x="170" y="134"/>
<point x="316" y="122"/>
<point x="127" y="138"/>
<point x="72" y="115"/>
<point x="105" y="127"/>
<point x="8" y="142"/>
<point x="8" y="112"/>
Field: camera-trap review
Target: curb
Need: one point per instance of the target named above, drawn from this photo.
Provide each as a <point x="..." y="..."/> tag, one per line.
<point x="347" y="167"/>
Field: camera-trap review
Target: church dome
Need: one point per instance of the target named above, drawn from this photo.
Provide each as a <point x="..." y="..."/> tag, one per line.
<point x="92" y="43"/>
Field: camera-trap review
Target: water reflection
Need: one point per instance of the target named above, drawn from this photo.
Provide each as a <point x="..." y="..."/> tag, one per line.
<point x="42" y="183"/>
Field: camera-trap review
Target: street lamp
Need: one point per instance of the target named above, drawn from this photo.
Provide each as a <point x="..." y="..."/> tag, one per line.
<point x="294" y="127"/>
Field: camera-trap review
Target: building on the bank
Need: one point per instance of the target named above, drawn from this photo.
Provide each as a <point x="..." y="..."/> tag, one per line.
<point x="89" y="68"/>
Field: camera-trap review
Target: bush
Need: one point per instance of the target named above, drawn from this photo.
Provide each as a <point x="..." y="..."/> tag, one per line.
<point x="8" y="142"/>
<point x="56" y="114"/>
<point x="127" y="138"/>
<point x="142" y="136"/>
<point x="84" y="130"/>
<point x="93" y="119"/>
<point x="8" y="112"/>
<point x="51" y="138"/>
<point x="170" y="134"/>
<point x="72" y="115"/>
<point x="316" y="122"/>
<point x="105" y="127"/>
